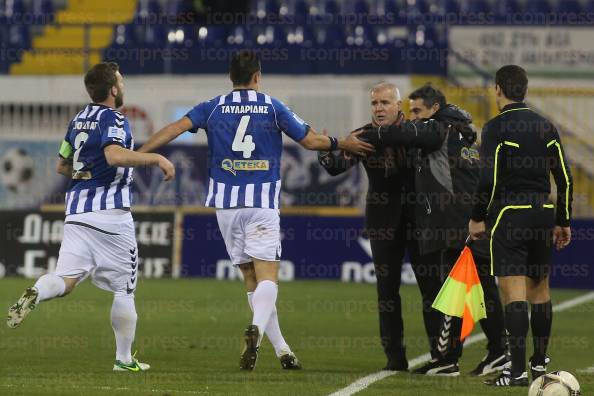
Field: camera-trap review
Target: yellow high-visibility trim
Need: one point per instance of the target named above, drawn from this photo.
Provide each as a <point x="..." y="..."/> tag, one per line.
<point x="566" y="180"/>
<point x="497" y="223"/>
<point x="494" y="176"/>
<point x="513" y="144"/>
<point x="507" y="111"/>
<point x="548" y="206"/>
<point x="549" y="144"/>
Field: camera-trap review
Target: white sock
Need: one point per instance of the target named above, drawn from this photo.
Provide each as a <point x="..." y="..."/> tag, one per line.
<point x="49" y="286"/>
<point x="273" y="331"/>
<point x="123" y="322"/>
<point x="263" y="302"/>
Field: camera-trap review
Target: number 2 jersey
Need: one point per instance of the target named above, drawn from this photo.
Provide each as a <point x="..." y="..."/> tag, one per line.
<point x="95" y="184"/>
<point x="244" y="130"/>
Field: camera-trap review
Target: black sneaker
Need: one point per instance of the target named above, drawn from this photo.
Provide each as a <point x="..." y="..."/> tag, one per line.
<point x="538" y="369"/>
<point x="506" y="379"/>
<point x="289" y="361"/>
<point x="396" y="364"/>
<point x="490" y="364"/>
<point x="440" y="368"/>
<point x="248" y="358"/>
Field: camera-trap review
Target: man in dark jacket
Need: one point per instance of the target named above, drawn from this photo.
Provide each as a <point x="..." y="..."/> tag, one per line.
<point x="442" y="151"/>
<point x="384" y="222"/>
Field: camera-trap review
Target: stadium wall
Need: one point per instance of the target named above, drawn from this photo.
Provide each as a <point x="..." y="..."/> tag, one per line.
<point x="186" y="242"/>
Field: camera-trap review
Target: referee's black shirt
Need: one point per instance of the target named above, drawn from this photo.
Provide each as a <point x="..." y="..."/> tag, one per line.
<point x="519" y="150"/>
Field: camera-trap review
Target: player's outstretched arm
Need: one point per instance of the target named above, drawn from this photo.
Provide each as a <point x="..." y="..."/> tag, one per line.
<point x="317" y="142"/>
<point x="166" y="134"/>
<point x="119" y="156"/>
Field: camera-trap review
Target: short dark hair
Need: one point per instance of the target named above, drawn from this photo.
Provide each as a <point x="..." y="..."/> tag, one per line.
<point x="99" y="79"/>
<point x="243" y="66"/>
<point x="429" y="95"/>
<point x="513" y="81"/>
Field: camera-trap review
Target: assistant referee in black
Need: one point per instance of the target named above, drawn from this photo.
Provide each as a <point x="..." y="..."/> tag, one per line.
<point x="519" y="150"/>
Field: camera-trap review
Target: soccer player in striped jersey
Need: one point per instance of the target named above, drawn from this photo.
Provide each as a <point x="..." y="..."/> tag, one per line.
<point x="99" y="238"/>
<point x="244" y="130"/>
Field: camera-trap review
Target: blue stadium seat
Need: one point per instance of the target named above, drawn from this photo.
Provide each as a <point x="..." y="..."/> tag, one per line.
<point x="177" y="7"/>
<point x="329" y="35"/>
<point x="569" y="6"/>
<point x="42" y="11"/>
<point x="506" y="7"/>
<point x="476" y="7"/>
<point x="301" y="11"/>
<point x="148" y="9"/>
<point x="331" y="7"/>
<point x="124" y="36"/>
<point x="359" y="35"/>
<point x="18" y="36"/>
<point x="214" y="36"/>
<point x="418" y="6"/>
<point x="361" y="7"/>
<point x="12" y="11"/>
<point x="450" y="7"/>
<point x="589" y="6"/>
<point x="271" y="35"/>
<point x="538" y="7"/>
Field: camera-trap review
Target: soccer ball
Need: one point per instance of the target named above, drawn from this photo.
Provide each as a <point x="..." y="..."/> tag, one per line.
<point x="16" y="169"/>
<point x="556" y="383"/>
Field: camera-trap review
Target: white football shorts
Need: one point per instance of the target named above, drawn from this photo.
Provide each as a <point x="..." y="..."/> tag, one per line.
<point x="250" y="233"/>
<point x="101" y="245"/>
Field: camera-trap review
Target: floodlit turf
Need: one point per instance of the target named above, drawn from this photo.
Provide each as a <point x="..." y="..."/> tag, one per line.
<point x="190" y="332"/>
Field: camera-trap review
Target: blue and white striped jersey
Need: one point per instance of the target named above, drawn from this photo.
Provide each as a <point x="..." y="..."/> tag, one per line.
<point x="244" y="130"/>
<point x="95" y="184"/>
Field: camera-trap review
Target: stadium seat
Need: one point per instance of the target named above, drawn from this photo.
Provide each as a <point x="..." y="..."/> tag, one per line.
<point x="330" y="36"/>
<point x="476" y="7"/>
<point x="450" y="7"/>
<point x="537" y="7"/>
<point x="177" y="7"/>
<point x="589" y="6"/>
<point x="506" y="7"/>
<point x="124" y="36"/>
<point x="272" y="35"/>
<point x="215" y="35"/>
<point x="361" y="7"/>
<point x="147" y="10"/>
<point x="13" y="10"/>
<point x="42" y="11"/>
<point x="18" y="36"/>
<point x="569" y="6"/>
<point x="331" y="7"/>
<point x="301" y="11"/>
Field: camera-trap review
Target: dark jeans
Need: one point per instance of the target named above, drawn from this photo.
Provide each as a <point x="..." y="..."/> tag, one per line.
<point x="387" y="259"/>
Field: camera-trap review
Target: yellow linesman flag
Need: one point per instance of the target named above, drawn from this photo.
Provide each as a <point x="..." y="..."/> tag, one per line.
<point x="462" y="294"/>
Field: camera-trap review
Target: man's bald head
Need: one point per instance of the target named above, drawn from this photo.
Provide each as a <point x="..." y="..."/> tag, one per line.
<point x="385" y="103"/>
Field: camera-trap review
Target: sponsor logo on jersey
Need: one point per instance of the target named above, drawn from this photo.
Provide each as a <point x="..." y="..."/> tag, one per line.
<point x="116" y="133"/>
<point x="244" y="165"/>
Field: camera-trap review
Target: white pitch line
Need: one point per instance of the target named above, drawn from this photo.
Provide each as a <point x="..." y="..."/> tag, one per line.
<point x="364" y="382"/>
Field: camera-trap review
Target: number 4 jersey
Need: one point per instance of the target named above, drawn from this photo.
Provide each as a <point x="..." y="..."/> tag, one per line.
<point x="95" y="184"/>
<point x="244" y="130"/>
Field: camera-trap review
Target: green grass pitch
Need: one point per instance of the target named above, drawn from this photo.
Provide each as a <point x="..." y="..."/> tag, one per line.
<point x="190" y="332"/>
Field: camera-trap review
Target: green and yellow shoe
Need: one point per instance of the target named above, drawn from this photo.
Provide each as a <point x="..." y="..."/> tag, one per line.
<point x="23" y="307"/>
<point x="134" y="366"/>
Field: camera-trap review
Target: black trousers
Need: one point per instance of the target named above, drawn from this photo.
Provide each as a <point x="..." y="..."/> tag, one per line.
<point x="443" y="332"/>
<point x="387" y="258"/>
